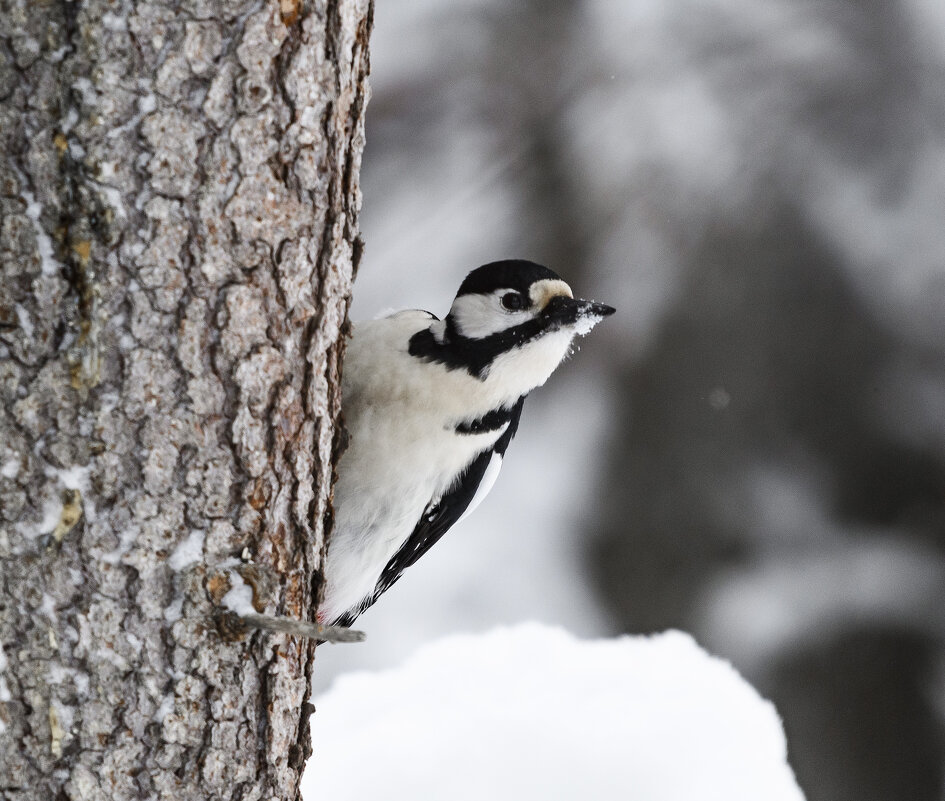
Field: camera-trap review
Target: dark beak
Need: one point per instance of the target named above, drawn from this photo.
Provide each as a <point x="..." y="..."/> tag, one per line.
<point x="563" y="310"/>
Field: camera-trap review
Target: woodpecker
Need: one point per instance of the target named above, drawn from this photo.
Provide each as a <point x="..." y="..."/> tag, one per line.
<point x="431" y="406"/>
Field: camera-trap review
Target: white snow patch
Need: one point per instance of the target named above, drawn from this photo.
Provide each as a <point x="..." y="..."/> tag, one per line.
<point x="67" y="341"/>
<point x="585" y="324"/>
<point x="75" y="478"/>
<point x="4" y="690"/>
<point x="52" y="512"/>
<point x="146" y="104"/>
<point x="126" y="538"/>
<point x="166" y="707"/>
<point x="81" y="683"/>
<point x="48" y="262"/>
<point x="240" y="597"/>
<point x="48" y="608"/>
<point x="85" y="87"/>
<point x="64" y="713"/>
<point x="58" y="55"/>
<point x="23" y="316"/>
<point x="71" y="118"/>
<point x="11" y="468"/>
<point x="57" y="673"/>
<point x="113" y="22"/>
<point x="531" y="712"/>
<point x="113" y="196"/>
<point x="112" y="656"/>
<point x="175" y="610"/>
<point x="188" y="552"/>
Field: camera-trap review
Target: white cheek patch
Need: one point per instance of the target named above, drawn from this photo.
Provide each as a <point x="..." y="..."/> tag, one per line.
<point x="480" y="316"/>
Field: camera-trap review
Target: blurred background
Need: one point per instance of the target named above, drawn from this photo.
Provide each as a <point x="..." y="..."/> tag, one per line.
<point x="753" y="449"/>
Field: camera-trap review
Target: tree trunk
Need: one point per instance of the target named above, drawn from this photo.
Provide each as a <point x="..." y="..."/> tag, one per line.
<point x="178" y="234"/>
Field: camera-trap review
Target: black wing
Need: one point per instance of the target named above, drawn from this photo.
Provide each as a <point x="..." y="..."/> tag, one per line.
<point x="439" y="517"/>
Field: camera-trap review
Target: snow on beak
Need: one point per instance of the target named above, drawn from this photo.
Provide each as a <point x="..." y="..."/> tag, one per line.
<point x="582" y="315"/>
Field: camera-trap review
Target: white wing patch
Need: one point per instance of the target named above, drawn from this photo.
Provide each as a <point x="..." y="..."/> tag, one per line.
<point x="488" y="480"/>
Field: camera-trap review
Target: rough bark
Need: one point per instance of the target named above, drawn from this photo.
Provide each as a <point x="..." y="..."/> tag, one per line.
<point x="178" y="234"/>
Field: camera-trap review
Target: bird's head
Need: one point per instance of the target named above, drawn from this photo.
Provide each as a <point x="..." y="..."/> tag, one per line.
<point x="518" y="302"/>
<point x="511" y="321"/>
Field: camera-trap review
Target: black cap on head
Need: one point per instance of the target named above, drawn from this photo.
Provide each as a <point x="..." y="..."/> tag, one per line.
<point x="516" y="274"/>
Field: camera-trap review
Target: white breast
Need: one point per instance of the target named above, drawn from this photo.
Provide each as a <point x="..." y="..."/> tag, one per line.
<point x="401" y="414"/>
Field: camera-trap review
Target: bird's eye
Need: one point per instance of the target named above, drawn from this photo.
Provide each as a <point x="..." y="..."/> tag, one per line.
<point x="513" y="301"/>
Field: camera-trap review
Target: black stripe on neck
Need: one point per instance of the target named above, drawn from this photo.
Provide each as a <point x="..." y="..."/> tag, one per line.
<point x="475" y="356"/>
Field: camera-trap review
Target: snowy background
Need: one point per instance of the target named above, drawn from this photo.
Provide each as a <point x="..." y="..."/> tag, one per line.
<point x="753" y="448"/>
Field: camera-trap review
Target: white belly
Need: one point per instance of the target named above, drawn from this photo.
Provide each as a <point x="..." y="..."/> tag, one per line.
<point x="377" y="508"/>
<point x="403" y="452"/>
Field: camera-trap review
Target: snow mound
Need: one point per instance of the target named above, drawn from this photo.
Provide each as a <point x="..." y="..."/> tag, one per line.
<point x="531" y="712"/>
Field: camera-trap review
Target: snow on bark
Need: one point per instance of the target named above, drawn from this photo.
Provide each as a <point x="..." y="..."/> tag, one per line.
<point x="178" y="235"/>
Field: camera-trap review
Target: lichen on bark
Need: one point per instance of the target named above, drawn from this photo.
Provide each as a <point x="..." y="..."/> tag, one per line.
<point x="178" y="235"/>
